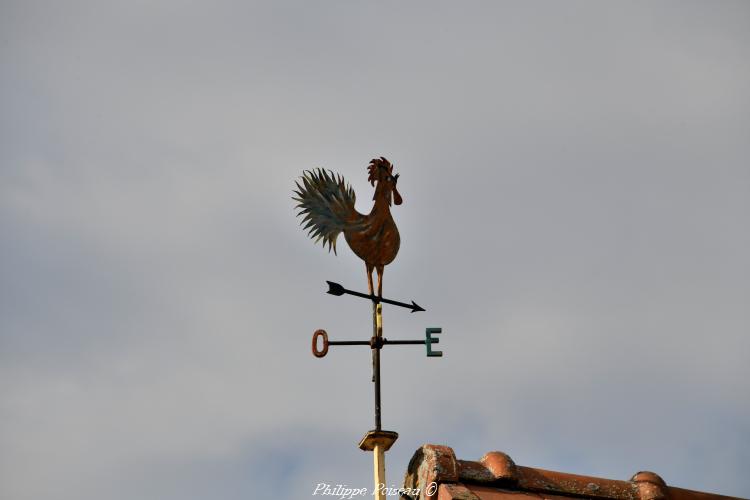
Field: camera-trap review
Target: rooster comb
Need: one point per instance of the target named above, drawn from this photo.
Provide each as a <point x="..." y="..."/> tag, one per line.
<point x="375" y="165"/>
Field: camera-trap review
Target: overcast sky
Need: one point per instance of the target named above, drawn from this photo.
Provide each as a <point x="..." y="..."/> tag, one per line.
<point x="576" y="189"/>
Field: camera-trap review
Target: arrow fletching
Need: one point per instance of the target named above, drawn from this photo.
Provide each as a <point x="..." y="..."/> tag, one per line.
<point x="335" y="288"/>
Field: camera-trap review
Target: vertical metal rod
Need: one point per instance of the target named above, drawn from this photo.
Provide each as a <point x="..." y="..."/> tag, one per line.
<point x="377" y="311"/>
<point x="378" y="452"/>
<point x="378" y="461"/>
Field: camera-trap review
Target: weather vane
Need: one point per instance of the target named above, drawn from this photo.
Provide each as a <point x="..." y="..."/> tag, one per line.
<point x="327" y="205"/>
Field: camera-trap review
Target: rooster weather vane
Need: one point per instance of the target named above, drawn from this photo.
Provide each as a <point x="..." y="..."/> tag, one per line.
<point x="326" y="203"/>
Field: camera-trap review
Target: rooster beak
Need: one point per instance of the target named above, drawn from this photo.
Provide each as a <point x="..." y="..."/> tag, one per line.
<point x="396" y="197"/>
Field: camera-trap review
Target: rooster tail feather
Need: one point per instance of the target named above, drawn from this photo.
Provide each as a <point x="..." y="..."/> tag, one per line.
<point x="326" y="205"/>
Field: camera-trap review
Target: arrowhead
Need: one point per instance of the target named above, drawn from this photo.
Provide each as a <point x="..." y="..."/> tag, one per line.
<point x="335" y="288"/>
<point x="415" y="307"/>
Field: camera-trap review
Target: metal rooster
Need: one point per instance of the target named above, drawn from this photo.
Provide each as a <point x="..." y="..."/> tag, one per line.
<point x="328" y="208"/>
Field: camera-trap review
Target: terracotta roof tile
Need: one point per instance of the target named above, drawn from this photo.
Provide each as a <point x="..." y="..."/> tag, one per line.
<point x="496" y="477"/>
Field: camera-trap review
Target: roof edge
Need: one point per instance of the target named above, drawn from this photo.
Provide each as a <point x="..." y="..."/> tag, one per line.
<point x="438" y="464"/>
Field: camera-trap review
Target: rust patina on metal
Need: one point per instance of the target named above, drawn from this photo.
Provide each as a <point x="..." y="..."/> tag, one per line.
<point x="496" y="477"/>
<point x="326" y="205"/>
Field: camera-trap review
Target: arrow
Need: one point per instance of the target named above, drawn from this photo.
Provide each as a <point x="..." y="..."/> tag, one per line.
<point x="338" y="290"/>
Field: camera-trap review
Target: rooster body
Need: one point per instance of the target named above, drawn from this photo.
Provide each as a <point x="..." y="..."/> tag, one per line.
<point x="327" y="204"/>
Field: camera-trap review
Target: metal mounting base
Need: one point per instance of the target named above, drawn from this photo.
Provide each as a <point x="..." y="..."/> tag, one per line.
<point x="384" y="439"/>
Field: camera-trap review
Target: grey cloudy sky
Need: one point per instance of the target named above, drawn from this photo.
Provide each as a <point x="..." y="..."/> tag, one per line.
<point x="576" y="197"/>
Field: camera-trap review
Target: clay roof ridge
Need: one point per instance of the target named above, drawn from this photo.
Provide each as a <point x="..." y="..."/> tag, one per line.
<point x="438" y="464"/>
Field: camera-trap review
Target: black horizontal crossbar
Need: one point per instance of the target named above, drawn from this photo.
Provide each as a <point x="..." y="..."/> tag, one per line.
<point x="369" y="342"/>
<point x="375" y="343"/>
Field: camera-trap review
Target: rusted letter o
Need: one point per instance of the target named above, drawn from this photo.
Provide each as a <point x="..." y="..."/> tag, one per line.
<point x="316" y="352"/>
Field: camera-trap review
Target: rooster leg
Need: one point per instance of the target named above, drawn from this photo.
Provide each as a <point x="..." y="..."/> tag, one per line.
<point x="369" y="277"/>
<point x="380" y="280"/>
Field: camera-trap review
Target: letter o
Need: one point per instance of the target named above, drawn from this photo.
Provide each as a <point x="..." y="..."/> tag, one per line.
<point x="315" y="351"/>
